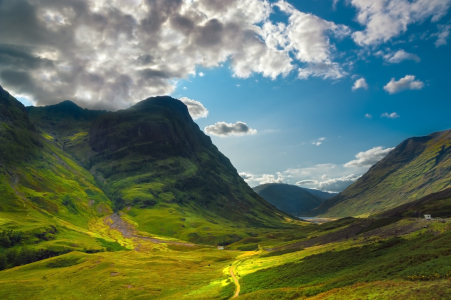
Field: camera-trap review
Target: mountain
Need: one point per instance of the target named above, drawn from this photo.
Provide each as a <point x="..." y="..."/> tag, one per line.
<point x="18" y="138"/>
<point x="320" y="194"/>
<point x="44" y="192"/>
<point x="161" y="172"/>
<point x="288" y="198"/>
<point x="417" y="167"/>
<point x="436" y="204"/>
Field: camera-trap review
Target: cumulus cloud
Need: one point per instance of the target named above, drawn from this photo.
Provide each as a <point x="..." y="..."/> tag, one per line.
<point x="385" y="19"/>
<point x="223" y="129"/>
<point x="331" y="184"/>
<point x="369" y="157"/>
<point x="307" y="36"/>
<point x="406" y="83"/>
<point x="112" y="54"/>
<point x="360" y="84"/>
<point x="442" y="35"/>
<point x="195" y="108"/>
<point x="268" y="178"/>
<point x="246" y="176"/>
<point x="368" y="116"/>
<point x="337" y="184"/>
<point x="393" y="115"/>
<point x="399" y="56"/>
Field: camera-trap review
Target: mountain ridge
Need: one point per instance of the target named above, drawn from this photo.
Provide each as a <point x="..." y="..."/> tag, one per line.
<point x="418" y="166"/>
<point x="288" y="198"/>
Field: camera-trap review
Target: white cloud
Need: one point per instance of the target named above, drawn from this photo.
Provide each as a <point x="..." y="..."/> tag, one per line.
<point x="393" y="115"/>
<point x="330" y="184"/>
<point x="307" y="36"/>
<point x="268" y="178"/>
<point x="399" y="56"/>
<point x="442" y="35"/>
<point x="307" y="182"/>
<point x="337" y="184"/>
<point x="201" y="74"/>
<point x="326" y="70"/>
<point x="111" y="54"/>
<point x="319" y="141"/>
<point x="369" y="157"/>
<point x="195" y="108"/>
<point x="385" y="19"/>
<point x="360" y="84"/>
<point x="368" y="116"/>
<point x="406" y="83"/>
<point x="224" y="129"/>
<point x="246" y="176"/>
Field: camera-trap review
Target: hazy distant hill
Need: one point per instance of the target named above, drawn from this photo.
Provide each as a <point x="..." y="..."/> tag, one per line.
<point x="417" y="167"/>
<point x="320" y="194"/>
<point x="288" y="198"/>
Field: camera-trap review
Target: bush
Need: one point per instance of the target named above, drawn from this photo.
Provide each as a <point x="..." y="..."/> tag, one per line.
<point x="3" y="262"/>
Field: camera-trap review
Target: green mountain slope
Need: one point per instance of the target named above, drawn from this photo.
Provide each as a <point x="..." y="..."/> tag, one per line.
<point x="288" y="198"/>
<point x="18" y="139"/>
<point x="436" y="204"/>
<point x="161" y="171"/>
<point x="44" y="194"/>
<point x="415" y="168"/>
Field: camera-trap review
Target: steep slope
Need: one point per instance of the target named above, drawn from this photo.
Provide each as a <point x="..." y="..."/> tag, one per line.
<point x="436" y="204"/>
<point x="18" y="138"/>
<point x="68" y="125"/>
<point x="415" y="168"/>
<point x="44" y="194"/>
<point x="288" y="198"/>
<point x="165" y="175"/>
<point x="161" y="171"/>
<point x="320" y="194"/>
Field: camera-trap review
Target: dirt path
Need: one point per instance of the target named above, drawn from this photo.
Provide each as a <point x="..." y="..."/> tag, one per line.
<point x="237" y="284"/>
<point x="128" y="231"/>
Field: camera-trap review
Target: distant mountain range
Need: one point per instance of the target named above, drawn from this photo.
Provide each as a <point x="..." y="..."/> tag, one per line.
<point x="417" y="167"/>
<point x="291" y="198"/>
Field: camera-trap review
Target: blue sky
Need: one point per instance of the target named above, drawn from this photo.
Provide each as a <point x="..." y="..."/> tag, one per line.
<point x="291" y="114"/>
<point x="323" y="89"/>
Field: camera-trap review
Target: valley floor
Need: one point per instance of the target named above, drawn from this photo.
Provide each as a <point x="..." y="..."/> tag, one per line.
<point x="344" y="259"/>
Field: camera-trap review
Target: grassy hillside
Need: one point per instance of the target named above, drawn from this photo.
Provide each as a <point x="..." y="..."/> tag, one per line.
<point x="417" y="167"/>
<point x="165" y="174"/>
<point x="160" y="170"/>
<point x="288" y="198"/>
<point x="18" y="139"/>
<point x="437" y="204"/>
<point x="345" y="259"/>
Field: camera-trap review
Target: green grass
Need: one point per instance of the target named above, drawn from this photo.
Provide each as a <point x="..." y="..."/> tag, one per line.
<point x="425" y="256"/>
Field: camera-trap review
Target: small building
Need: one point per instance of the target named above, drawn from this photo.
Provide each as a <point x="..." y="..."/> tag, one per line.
<point x="220" y="247"/>
<point x="427" y="217"/>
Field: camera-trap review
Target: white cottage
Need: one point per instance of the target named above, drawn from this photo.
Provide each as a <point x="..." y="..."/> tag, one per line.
<point x="428" y="217"/>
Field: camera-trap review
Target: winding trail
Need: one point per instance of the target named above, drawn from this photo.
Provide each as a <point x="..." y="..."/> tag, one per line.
<point x="235" y="280"/>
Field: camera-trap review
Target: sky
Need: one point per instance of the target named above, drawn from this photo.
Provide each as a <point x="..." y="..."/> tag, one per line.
<point x="311" y="93"/>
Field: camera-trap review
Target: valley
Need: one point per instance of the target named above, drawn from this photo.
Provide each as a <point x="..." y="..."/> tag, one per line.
<point x="140" y="204"/>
